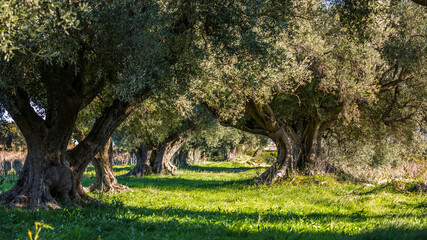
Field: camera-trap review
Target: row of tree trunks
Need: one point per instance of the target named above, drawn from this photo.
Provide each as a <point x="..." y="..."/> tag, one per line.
<point x="157" y="159"/>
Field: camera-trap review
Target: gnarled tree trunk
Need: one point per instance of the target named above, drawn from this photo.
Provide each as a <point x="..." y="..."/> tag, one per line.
<point x="165" y="151"/>
<point x="144" y="157"/>
<point x="105" y="181"/>
<point x="180" y="159"/>
<point x="44" y="177"/>
<point x="188" y="156"/>
<point x="46" y="173"/>
<point x="81" y="155"/>
<point x="288" y="152"/>
<point x="157" y="159"/>
<point x="50" y="172"/>
<point x="194" y="155"/>
<point x="298" y="145"/>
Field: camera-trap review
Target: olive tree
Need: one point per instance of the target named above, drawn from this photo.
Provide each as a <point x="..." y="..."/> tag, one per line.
<point x="56" y="58"/>
<point x="154" y="133"/>
<point x="301" y="81"/>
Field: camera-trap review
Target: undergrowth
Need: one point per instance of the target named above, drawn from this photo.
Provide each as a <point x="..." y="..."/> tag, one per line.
<point x="219" y="201"/>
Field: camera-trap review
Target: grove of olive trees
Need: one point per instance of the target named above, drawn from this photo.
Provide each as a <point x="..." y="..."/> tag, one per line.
<point x="292" y="71"/>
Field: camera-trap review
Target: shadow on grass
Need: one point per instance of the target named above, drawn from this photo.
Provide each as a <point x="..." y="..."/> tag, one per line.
<point x="174" y="182"/>
<point x="222" y="224"/>
<point x="116" y="169"/>
<point x="181" y="183"/>
<point x="219" y="169"/>
<point x="115" y="221"/>
<point x="126" y="168"/>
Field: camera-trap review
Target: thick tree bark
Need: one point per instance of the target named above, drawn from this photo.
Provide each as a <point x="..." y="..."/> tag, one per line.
<point x="48" y="166"/>
<point x="164" y="154"/>
<point x="105" y="181"/>
<point x="180" y="159"/>
<point x="288" y="151"/>
<point x="40" y="182"/>
<point x="188" y="156"/>
<point x="144" y="157"/>
<point x="298" y="145"/>
<point x="263" y="121"/>
<point x="81" y="155"/>
<point x="46" y="174"/>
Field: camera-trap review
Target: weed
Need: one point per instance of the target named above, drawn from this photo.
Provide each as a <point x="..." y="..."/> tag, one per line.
<point x="39" y="226"/>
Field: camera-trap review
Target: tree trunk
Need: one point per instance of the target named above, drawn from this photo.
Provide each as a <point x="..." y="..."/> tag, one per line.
<point x="50" y="171"/>
<point x="310" y="140"/>
<point x="181" y="159"/>
<point x="48" y="166"/>
<point x="189" y="156"/>
<point x="288" y="152"/>
<point x="44" y="177"/>
<point x="231" y="154"/>
<point x="144" y="157"/>
<point x="257" y="152"/>
<point x="81" y="155"/>
<point x="297" y="145"/>
<point x="165" y="152"/>
<point x="46" y="173"/>
<point x="105" y="181"/>
<point x="194" y="155"/>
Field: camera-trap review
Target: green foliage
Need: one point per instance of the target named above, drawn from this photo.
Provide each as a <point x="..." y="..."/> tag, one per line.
<point x="151" y="123"/>
<point x="119" y="49"/>
<point x="217" y="140"/>
<point x="307" y="70"/>
<point x="267" y="157"/>
<point x="11" y="135"/>
<point x="30" y="26"/>
<point x="219" y="201"/>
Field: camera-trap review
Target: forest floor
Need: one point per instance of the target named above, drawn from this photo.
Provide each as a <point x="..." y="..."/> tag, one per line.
<point x="218" y="200"/>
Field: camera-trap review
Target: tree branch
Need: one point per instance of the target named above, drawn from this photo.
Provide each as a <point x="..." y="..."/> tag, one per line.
<point x="103" y="128"/>
<point x="397" y="78"/>
<point x="29" y="122"/>
<point x="420" y="2"/>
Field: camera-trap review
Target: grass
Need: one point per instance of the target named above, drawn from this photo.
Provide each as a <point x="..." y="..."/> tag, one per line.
<point x="218" y="201"/>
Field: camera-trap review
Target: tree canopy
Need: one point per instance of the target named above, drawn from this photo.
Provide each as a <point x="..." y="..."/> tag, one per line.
<point x="59" y="56"/>
<point x="315" y="72"/>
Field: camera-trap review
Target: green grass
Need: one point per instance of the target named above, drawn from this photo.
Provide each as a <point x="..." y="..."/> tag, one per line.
<point x="219" y="201"/>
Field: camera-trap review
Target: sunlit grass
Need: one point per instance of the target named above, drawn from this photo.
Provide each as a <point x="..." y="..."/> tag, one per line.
<point x="219" y="201"/>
